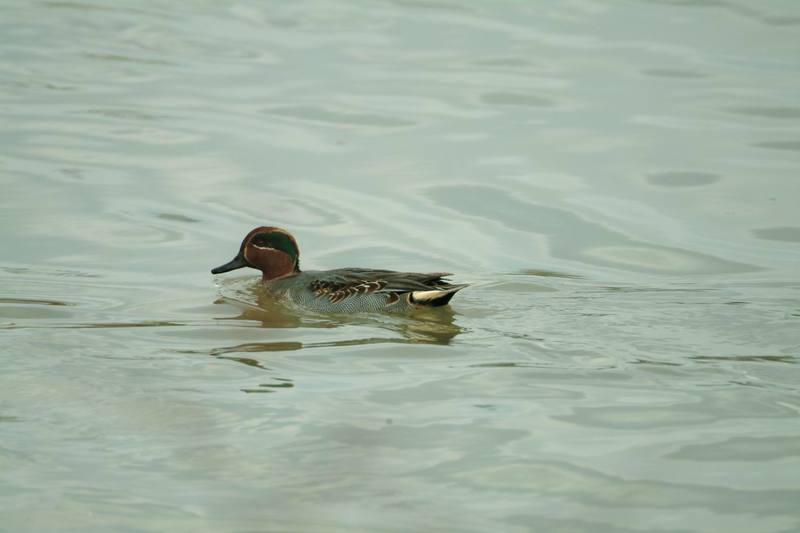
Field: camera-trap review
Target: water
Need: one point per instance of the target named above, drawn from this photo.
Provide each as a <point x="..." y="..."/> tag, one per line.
<point x="618" y="181"/>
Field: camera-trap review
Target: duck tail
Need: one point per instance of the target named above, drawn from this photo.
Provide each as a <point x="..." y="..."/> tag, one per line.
<point x="435" y="297"/>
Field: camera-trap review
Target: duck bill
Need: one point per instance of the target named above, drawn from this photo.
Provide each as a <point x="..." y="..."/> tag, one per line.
<point x="236" y="262"/>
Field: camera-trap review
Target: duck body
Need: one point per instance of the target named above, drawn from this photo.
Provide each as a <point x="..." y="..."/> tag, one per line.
<point x="354" y="290"/>
<point x="346" y="290"/>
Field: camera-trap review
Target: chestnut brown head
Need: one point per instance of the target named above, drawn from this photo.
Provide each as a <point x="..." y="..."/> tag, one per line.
<point x="271" y="250"/>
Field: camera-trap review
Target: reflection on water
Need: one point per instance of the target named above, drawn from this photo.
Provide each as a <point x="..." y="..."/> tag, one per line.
<point x="683" y="179"/>
<point x="572" y="237"/>
<point x="785" y="234"/>
<point x="617" y="182"/>
<point x="258" y="347"/>
<point x="426" y="326"/>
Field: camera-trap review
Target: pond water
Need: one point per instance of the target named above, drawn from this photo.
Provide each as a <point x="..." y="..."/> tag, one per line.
<point x="618" y="181"/>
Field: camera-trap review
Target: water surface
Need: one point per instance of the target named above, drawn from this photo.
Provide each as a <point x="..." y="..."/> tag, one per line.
<point x="617" y="180"/>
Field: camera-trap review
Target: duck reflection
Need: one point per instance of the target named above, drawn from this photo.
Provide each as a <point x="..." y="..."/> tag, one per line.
<point x="435" y="326"/>
<point x="429" y="326"/>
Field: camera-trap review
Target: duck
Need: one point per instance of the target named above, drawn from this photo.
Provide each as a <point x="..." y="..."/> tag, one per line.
<point x="274" y="251"/>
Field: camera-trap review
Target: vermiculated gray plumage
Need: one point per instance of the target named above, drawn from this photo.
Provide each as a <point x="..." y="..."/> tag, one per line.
<point x="350" y="290"/>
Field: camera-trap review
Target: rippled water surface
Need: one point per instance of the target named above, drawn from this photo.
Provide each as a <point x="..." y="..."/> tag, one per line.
<point x="617" y="180"/>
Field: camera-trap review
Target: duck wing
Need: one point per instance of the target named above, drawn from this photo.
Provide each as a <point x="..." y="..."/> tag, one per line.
<point x="342" y="283"/>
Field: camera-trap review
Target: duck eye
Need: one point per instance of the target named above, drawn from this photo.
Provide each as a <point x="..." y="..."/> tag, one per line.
<point x="261" y="242"/>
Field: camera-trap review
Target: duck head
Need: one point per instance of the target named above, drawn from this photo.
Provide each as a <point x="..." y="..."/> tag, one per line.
<point x="271" y="250"/>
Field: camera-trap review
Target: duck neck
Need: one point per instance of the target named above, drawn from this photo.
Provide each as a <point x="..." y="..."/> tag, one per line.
<point x="273" y="264"/>
<point x="267" y="278"/>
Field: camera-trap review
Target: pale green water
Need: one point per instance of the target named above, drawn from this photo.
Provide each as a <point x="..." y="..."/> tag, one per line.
<point x="619" y="181"/>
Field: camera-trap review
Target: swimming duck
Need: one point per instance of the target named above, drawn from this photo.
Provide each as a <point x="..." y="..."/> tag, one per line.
<point x="275" y="253"/>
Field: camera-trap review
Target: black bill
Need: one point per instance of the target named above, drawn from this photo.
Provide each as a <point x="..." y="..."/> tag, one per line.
<point x="236" y="262"/>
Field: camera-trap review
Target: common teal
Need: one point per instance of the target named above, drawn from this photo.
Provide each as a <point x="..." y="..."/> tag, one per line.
<point x="275" y="253"/>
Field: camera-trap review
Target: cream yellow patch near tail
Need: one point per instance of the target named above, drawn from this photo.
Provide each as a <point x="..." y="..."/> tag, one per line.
<point x="435" y="297"/>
